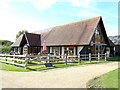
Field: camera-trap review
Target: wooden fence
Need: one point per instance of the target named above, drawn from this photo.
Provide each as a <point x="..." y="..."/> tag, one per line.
<point x="23" y="60"/>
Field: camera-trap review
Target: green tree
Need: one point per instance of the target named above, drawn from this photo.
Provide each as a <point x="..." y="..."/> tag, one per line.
<point x="5" y="46"/>
<point x="4" y="49"/>
<point x="5" y="42"/>
<point x="20" y="33"/>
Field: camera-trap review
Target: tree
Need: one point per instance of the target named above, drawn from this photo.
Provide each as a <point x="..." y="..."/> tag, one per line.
<point x="5" y="42"/>
<point x="4" y="49"/>
<point x="5" y="46"/>
<point x="20" y="33"/>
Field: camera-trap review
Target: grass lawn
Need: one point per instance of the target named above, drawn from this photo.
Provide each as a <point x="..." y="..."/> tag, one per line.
<point x="114" y="59"/>
<point x="42" y="67"/>
<point x="9" y="67"/>
<point x="108" y="80"/>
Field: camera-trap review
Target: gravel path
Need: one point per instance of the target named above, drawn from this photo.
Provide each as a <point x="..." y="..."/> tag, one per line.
<point x="72" y="77"/>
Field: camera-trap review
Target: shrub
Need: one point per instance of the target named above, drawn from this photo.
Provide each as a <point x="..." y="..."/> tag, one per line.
<point x="4" y="49"/>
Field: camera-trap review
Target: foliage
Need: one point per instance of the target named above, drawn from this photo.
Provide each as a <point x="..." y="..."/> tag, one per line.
<point x="5" y="42"/>
<point x="4" y="49"/>
<point x="5" y="46"/>
<point x="20" y="33"/>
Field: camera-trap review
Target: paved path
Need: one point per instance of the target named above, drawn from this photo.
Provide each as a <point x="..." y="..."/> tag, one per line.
<point x="72" y="77"/>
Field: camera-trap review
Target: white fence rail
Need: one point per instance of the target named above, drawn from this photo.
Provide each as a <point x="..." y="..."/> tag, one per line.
<point x="23" y="60"/>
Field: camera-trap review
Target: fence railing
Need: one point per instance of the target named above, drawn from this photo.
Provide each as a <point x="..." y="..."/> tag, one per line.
<point x="24" y="60"/>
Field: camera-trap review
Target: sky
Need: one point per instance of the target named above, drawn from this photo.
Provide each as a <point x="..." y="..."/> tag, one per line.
<point x="34" y="15"/>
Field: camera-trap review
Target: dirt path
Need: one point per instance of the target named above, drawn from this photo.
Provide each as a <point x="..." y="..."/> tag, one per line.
<point x="72" y="77"/>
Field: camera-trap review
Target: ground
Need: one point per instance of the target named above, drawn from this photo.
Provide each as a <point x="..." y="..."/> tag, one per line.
<point x="72" y="77"/>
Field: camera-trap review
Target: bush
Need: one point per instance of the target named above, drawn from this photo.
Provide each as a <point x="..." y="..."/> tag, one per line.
<point x="4" y="49"/>
<point x="5" y="42"/>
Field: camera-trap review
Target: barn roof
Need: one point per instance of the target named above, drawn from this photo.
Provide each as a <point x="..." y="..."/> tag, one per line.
<point x="77" y="33"/>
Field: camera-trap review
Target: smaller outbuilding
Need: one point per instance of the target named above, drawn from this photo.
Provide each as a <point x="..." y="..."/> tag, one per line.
<point x="27" y="44"/>
<point x="116" y="41"/>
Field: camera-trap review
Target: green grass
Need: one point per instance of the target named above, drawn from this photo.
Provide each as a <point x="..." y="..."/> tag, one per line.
<point x="117" y="58"/>
<point x="108" y="80"/>
<point x="42" y="67"/>
<point x="9" y="67"/>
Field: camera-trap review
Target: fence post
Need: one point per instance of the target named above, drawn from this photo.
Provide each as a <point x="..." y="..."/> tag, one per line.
<point x="98" y="56"/>
<point x="89" y="57"/>
<point x="105" y="56"/>
<point x="79" y="60"/>
<point x="14" y="60"/>
<point x="66" y="59"/>
<point x="49" y="58"/>
<point x="6" y="58"/>
<point x="26" y="61"/>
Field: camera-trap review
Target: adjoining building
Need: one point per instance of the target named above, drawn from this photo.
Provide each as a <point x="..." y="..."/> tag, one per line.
<point x="116" y="41"/>
<point x="82" y="37"/>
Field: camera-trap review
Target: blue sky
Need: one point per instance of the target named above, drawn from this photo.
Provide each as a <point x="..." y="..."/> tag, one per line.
<point x="33" y="15"/>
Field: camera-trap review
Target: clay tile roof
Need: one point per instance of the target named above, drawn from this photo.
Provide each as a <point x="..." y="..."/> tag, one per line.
<point x="77" y="33"/>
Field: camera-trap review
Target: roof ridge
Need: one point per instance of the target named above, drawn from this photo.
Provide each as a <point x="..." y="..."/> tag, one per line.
<point x="68" y="24"/>
<point x="78" y="21"/>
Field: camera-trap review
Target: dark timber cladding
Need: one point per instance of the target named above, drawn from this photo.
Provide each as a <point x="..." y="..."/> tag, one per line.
<point x="112" y="45"/>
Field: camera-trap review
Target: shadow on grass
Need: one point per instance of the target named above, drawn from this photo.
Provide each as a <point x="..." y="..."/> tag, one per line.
<point x="116" y="58"/>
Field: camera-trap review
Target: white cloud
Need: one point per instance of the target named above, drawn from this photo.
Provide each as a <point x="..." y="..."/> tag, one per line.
<point x="11" y="25"/>
<point x="39" y="4"/>
<point x="43" y="4"/>
<point x="111" y="29"/>
<point x="103" y="12"/>
<point x="4" y="6"/>
<point x="105" y="0"/>
<point x="79" y="3"/>
<point x="90" y="12"/>
<point x="84" y="13"/>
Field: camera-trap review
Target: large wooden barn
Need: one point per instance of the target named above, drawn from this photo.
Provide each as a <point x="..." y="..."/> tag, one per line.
<point x="82" y="37"/>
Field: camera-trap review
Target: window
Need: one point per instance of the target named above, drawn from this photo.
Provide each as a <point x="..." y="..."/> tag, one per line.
<point x="69" y="50"/>
<point x="97" y="36"/>
<point x="56" y="50"/>
<point x="97" y="41"/>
